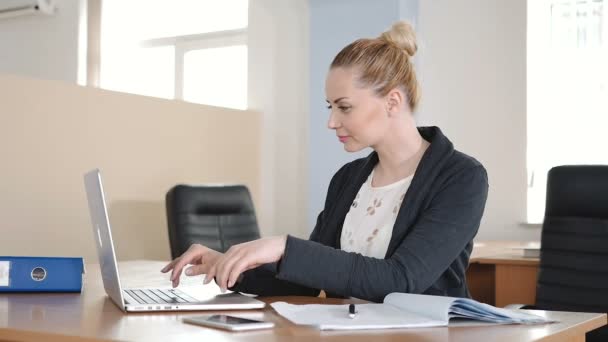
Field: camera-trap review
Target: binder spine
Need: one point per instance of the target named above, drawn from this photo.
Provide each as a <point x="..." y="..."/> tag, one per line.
<point x="40" y="274"/>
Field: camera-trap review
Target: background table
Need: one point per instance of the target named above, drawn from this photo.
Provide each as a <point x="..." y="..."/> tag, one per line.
<point x="499" y="274"/>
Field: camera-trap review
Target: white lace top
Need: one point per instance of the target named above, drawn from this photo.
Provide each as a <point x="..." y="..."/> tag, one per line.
<point x="368" y="226"/>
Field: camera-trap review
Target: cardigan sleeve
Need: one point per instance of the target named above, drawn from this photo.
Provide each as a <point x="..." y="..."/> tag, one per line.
<point x="263" y="280"/>
<point x="437" y="238"/>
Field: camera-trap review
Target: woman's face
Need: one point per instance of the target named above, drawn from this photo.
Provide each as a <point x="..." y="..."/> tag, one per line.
<point x="357" y="114"/>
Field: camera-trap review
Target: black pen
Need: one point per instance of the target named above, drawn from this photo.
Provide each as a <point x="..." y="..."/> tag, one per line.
<point x="351" y="311"/>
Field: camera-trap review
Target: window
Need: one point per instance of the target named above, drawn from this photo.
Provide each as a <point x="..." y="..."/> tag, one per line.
<point x="567" y="90"/>
<point x="190" y="50"/>
<point x="223" y="83"/>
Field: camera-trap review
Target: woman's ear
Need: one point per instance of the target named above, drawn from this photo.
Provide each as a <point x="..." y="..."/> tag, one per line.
<point x="394" y="101"/>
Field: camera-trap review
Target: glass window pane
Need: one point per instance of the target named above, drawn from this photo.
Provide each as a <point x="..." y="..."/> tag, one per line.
<point x="567" y="90"/>
<point x="127" y="66"/>
<point x="143" y="71"/>
<point x="217" y="76"/>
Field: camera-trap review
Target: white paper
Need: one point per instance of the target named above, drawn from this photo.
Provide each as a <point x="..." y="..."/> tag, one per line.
<point x="401" y="310"/>
<point x="444" y="308"/>
<point x="5" y="267"/>
<point x="435" y="307"/>
<point x="369" y="316"/>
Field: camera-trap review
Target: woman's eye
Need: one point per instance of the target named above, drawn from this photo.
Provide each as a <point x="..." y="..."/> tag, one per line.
<point x="343" y="109"/>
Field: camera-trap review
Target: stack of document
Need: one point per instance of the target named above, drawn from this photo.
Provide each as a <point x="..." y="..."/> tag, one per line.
<point x="530" y="250"/>
<point x="402" y="310"/>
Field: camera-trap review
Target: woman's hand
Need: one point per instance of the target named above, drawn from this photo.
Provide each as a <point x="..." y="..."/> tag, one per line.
<point x="245" y="256"/>
<point x="201" y="257"/>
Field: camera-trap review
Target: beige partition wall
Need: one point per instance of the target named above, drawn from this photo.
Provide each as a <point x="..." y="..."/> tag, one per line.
<point x="51" y="133"/>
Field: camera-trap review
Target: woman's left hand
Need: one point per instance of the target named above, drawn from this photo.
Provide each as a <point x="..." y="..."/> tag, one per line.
<point x="245" y="256"/>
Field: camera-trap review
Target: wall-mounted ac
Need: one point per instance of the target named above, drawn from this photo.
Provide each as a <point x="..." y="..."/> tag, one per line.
<point x="17" y="8"/>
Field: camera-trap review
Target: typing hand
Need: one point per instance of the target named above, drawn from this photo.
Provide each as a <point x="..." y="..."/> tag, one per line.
<point x="201" y="257"/>
<point x="245" y="256"/>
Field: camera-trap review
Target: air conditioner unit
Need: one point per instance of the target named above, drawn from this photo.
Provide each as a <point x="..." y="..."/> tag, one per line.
<point x="17" y="8"/>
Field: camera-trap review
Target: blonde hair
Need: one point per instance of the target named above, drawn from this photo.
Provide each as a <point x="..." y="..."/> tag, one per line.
<point x="384" y="63"/>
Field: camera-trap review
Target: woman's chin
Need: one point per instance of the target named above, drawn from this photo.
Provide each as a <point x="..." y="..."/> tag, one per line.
<point x="353" y="148"/>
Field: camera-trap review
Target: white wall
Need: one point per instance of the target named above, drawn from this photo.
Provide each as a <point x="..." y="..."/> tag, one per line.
<point x="278" y="88"/>
<point x="42" y="46"/>
<point x="472" y="67"/>
<point x="333" y="25"/>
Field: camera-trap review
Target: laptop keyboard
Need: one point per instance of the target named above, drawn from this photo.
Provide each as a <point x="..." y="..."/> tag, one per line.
<point x="160" y="296"/>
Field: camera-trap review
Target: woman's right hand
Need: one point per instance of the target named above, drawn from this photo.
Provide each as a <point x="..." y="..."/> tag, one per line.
<point x="201" y="257"/>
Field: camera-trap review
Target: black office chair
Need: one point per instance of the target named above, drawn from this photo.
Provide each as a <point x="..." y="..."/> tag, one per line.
<point x="573" y="272"/>
<point x="214" y="216"/>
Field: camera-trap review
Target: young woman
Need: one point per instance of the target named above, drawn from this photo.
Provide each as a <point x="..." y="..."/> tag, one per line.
<point x="400" y="220"/>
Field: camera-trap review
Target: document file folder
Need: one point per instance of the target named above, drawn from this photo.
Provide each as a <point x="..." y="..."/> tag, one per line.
<point x="40" y="274"/>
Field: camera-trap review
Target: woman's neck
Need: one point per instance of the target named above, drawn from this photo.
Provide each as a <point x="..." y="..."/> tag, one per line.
<point x="399" y="155"/>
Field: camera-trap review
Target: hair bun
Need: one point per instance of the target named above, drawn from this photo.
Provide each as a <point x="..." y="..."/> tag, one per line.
<point x="402" y="35"/>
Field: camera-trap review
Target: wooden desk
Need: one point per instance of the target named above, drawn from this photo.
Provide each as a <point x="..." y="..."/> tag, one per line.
<point x="499" y="275"/>
<point x="91" y="316"/>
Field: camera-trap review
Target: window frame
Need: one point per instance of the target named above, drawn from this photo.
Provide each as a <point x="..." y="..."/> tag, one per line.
<point x="186" y="43"/>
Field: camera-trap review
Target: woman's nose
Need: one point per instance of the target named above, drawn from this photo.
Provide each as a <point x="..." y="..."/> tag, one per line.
<point x="332" y="123"/>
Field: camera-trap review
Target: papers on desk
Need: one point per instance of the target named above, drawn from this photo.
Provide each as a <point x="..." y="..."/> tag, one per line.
<point x="531" y="250"/>
<point x="401" y="310"/>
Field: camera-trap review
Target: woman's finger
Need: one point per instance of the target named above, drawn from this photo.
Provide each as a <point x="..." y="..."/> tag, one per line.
<point x="195" y="270"/>
<point x="219" y="263"/>
<point x="169" y="266"/>
<point x="210" y="275"/>
<point x="223" y="269"/>
<point x="177" y="268"/>
<point x="190" y="255"/>
<point x="239" y="267"/>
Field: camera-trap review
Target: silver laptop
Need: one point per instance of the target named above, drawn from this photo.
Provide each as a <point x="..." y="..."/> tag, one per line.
<point x="200" y="297"/>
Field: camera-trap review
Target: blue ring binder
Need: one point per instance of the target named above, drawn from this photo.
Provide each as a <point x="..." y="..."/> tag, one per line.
<point x="40" y="274"/>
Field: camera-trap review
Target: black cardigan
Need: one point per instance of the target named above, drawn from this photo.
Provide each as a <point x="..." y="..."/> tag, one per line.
<point x="429" y="248"/>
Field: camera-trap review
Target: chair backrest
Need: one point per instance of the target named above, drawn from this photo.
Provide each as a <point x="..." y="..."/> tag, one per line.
<point x="214" y="216"/>
<point x="573" y="274"/>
